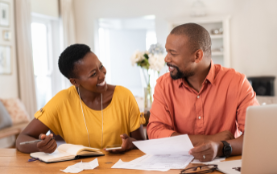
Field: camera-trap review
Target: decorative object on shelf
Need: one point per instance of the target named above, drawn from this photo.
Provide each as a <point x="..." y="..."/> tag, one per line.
<point x="219" y="49"/>
<point x="198" y="9"/>
<point x="7" y="35"/>
<point x="217" y="31"/>
<point x="151" y="60"/>
<point x="5" y="60"/>
<point x="4" y="14"/>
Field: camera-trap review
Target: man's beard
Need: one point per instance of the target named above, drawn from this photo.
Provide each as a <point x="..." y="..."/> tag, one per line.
<point x="179" y="73"/>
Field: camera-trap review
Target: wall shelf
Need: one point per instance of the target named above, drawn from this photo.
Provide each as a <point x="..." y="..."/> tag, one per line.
<point x="216" y="36"/>
<point x="216" y="53"/>
<point x="219" y="42"/>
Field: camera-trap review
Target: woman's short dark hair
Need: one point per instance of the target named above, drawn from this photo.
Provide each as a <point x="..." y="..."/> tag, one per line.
<point x="70" y="56"/>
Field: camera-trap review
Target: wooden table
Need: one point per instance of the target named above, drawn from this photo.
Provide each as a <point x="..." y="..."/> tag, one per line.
<point x="15" y="162"/>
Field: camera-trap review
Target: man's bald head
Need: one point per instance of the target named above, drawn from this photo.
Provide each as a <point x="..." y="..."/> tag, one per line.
<point x="198" y="37"/>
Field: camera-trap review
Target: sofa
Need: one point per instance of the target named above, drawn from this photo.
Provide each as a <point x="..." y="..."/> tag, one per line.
<point x="13" y="118"/>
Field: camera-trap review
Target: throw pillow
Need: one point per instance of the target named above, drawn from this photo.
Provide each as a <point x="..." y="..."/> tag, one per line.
<point x="5" y="119"/>
<point x="16" y="110"/>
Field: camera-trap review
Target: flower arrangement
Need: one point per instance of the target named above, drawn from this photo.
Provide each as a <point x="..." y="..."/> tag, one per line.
<point x="153" y="59"/>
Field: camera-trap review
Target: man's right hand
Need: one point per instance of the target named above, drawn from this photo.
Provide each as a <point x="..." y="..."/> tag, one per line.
<point x="221" y="136"/>
<point x="48" y="144"/>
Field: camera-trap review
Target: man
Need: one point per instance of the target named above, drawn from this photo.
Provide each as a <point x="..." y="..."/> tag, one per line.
<point x="204" y="100"/>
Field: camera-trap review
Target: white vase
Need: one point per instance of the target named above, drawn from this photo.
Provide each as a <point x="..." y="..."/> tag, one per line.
<point x="147" y="98"/>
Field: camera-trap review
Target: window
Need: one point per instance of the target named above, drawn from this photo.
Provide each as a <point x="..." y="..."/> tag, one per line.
<point x="43" y="31"/>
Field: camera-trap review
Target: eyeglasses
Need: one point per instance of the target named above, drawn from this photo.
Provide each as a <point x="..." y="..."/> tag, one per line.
<point x="200" y="169"/>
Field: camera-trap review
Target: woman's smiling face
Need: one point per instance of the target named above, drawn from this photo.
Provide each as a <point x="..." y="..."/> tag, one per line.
<point x="90" y="74"/>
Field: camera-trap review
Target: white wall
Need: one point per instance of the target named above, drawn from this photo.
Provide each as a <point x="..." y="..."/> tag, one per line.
<point x="9" y="83"/>
<point x="48" y="8"/>
<point x="252" y="27"/>
<point x="122" y="45"/>
<point x="87" y="11"/>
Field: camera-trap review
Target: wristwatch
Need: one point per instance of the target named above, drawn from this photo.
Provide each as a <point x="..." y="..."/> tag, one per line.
<point x="227" y="149"/>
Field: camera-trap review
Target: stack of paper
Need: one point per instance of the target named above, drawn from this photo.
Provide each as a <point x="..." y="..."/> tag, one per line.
<point x="229" y="166"/>
<point x="161" y="154"/>
<point x="214" y="161"/>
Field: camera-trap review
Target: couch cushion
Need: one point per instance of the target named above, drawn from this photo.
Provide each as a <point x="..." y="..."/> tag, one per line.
<point x="5" y="119"/>
<point x="16" y="110"/>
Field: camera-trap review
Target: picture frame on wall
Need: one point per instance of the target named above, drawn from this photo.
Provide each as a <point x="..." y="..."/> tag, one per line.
<point x="5" y="60"/>
<point x="4" y="14"/>
<point x="7" y="35"/>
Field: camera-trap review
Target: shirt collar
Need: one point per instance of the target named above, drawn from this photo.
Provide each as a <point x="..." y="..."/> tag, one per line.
<point x="210" y="77"/>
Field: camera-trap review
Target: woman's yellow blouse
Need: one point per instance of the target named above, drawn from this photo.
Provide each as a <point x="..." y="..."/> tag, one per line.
<point x="63" y="115"/>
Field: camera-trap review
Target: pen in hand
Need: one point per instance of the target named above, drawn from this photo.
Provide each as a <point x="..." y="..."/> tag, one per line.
<point x="30" y="142"/>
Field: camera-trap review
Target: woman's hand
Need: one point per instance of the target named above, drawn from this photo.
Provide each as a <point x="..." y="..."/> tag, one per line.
<point x="127" y="144"/>
<point x="48" y="144"/>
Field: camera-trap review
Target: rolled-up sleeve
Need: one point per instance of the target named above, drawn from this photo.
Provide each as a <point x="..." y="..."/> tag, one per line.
<point x="247" y="97"/>
<point x="160" y="122"/>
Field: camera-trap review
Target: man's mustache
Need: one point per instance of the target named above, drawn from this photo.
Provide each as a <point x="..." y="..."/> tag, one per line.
<point x="168" y="64"/>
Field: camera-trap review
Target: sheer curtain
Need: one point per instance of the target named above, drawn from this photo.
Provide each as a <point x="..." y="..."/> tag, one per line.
<point x="27" y="91"/>
<point x="68" y="27"/>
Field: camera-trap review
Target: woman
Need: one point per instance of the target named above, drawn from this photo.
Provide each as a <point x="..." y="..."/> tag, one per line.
<point x="91" y="112"/>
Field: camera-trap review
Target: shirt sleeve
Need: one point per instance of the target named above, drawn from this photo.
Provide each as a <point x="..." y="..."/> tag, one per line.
<point x="160" y="121"/>
<point x="134" y="113"/>
<point x="49" y="114"/>
<point x="247" y="97"/>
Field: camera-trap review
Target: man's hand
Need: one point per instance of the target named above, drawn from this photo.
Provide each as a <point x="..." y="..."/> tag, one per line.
<point x="126" y="144"/>
<point x="48" y="144"/>
<point x="205" y="152"/>
<point x="221" y="136"/>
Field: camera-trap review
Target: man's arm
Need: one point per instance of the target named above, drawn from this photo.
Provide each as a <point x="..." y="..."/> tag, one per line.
<point x="160" y="122"/>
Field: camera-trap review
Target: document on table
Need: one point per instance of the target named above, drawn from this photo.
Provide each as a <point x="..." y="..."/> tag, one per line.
<point x="228" y="166"/>
<point x="156" y="162"/>
<point x="177" y="145"/>
<point x="214" y="161"/>
<point x="161" y="154"/>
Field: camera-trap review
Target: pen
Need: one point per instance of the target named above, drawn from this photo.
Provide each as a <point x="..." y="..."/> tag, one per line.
<point x="30" y="142"/>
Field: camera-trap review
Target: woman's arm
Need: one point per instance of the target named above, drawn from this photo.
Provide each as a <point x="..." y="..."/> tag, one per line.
<point x="36" y="130"/>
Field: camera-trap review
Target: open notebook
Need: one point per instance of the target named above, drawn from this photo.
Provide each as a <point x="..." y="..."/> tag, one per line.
<point x="66" y="152"/>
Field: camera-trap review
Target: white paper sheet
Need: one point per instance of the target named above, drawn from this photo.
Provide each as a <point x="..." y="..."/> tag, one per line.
<point x="177" y="145"/>
<point x="78" y="167"/>
<point x="216" y="160"/>
<point x="161" y="154"/>
<point x="156" y="162"/>
<point x="227" y="166"/>
<point x="135" y="165"/>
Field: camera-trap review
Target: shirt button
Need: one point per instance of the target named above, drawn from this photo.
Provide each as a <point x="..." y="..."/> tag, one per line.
<point x="198" y="96"/>
<point x="199" y="117"/>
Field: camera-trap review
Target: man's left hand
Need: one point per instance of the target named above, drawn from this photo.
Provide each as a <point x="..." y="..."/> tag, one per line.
<point x="205" y="152"/>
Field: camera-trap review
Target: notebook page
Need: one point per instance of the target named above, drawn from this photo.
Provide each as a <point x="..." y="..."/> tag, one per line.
<point x="74" y="149"/>
<point x="49" y="157"/>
